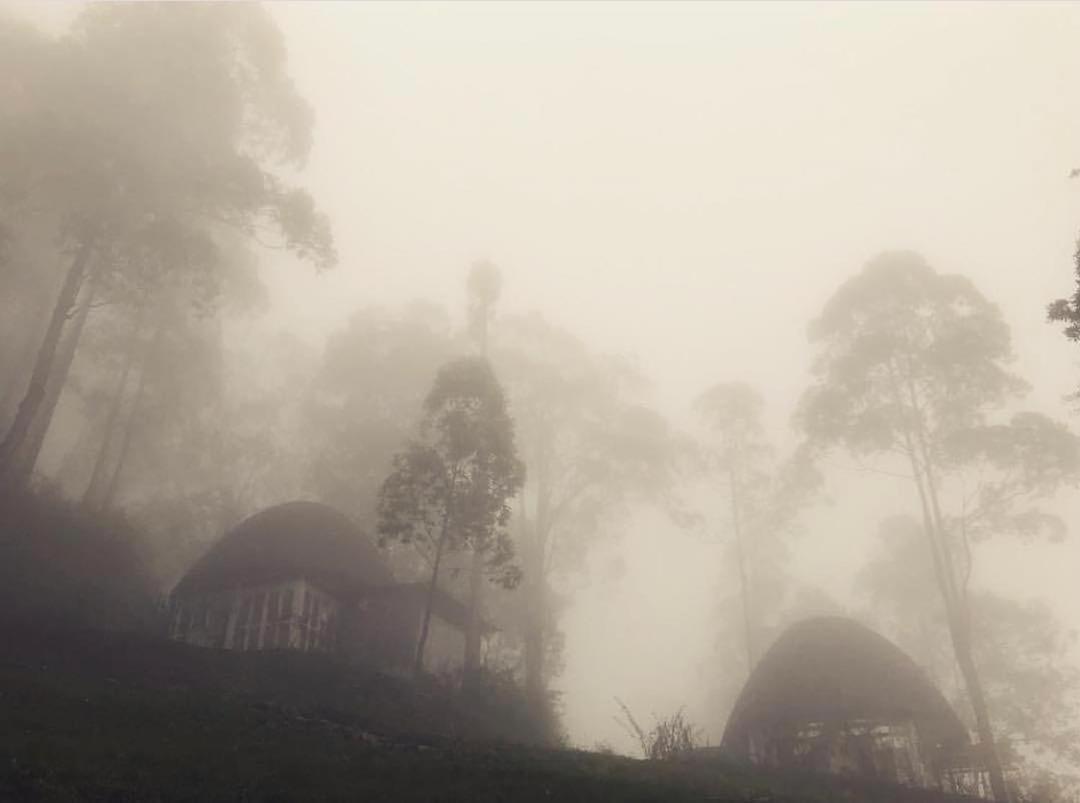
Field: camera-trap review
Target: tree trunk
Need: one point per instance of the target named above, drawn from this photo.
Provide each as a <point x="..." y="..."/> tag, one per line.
<point x="92" y="497"/>
<point x="959" y="621"/>
<point x="474" y="628"/>
<point x="534" y="621"/>
<point x="960" y="631"/>
<point x="425" y="626"/>
<point x="43" y="368"/>
<point x="26" y="455"/>
<point x="535" y="637"/>
<point x="474" y="625"/>
<point x="536" y="634"/>
<point x="21" y="366"/>
<point x="136" y="404"/>
<point x="744" y="583"/>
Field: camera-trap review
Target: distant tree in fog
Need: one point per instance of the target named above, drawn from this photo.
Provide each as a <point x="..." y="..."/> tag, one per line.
<point x="482" y="290"/>
<point x="366" y="398"/>
<point x="171" y="117"/>
<point x="592" y="449"/>
<point x="910" y="365"/>
<point x="1067" y="310"/>
<point x="763" y="496"/>
<point x="450" y="488"/>
<point x="1023" y="653"/>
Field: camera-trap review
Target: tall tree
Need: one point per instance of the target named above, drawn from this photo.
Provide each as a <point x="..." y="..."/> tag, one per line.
<point x="172" y="116"/>
<point x="763" y="497"/>
<point x="910" y="363"/>
<point x="450" y="489"/>
<point x="483" y="286"/>
<point x="592" y="448"/>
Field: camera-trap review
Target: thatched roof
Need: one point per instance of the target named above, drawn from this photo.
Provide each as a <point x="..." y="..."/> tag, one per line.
<point x="831" y="669"/>
<point x="296" y="539"/>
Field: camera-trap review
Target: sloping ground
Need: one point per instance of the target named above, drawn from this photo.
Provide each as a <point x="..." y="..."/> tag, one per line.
<point x="90" y="717"/>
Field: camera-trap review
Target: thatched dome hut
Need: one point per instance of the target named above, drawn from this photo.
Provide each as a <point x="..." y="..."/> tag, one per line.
<point x="302" y="576"/>
<point x="833" y="695"/>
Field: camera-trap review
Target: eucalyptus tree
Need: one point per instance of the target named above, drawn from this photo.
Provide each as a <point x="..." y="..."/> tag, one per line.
<point x="450" y="488"/>
<point x="172" y="119"/>
<point x="911" y="364"/>
<point x="592" y="448"/>
<point x="764" y="496"/>
<point x="367" y="394"/>
<point x="482" y="287"/>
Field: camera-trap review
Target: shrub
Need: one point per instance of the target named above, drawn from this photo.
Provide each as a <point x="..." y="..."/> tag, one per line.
<point x="60" y="565"/>
<point x="671" y="736"/>
<point x="494" y="695"/>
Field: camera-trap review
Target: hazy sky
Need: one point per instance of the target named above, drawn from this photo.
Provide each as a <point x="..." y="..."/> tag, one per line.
<point x="689" y="183"/>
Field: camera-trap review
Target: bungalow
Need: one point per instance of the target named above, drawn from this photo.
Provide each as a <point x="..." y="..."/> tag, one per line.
<point x="302" y="576"/>
<point x="834" y="696"/>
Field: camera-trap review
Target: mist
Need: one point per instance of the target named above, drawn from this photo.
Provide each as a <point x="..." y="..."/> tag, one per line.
<point x="683" y="207"/>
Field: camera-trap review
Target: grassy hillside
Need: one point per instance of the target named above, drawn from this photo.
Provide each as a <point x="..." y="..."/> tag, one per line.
<point x="94" y="717"/>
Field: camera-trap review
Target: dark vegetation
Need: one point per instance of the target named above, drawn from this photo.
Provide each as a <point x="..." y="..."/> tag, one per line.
<point x="61" y="566"/>
<point x="133" y="433"/>
<point x="672" y="736"/>
<point x="87" y="716"/>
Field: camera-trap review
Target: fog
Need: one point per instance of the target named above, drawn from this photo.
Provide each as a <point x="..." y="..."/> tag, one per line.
<point x="688" y="184"/>
<point x="683" y="186"/>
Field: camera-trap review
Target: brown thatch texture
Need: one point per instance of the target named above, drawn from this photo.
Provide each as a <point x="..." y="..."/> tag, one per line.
<point x="831" y="669"/>
<point x="296" y="539"/>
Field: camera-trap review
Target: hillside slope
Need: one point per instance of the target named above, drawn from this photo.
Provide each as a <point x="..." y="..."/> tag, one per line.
<point x="92" y="717"/>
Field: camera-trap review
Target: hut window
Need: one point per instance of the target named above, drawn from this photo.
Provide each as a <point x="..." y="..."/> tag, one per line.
<point x="305" y="620"/>
<point x="243" y="618"/>
<point x="328" y="632"/>
<point x="258" y="616"/>
<point x="313" y="621"/>
<point x="285" y="623"/>
<point x="281" y="617"/>
<point x="270" y="626"/>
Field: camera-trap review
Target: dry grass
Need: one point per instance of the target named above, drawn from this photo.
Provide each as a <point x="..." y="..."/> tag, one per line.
<point x="670" y="737"/>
